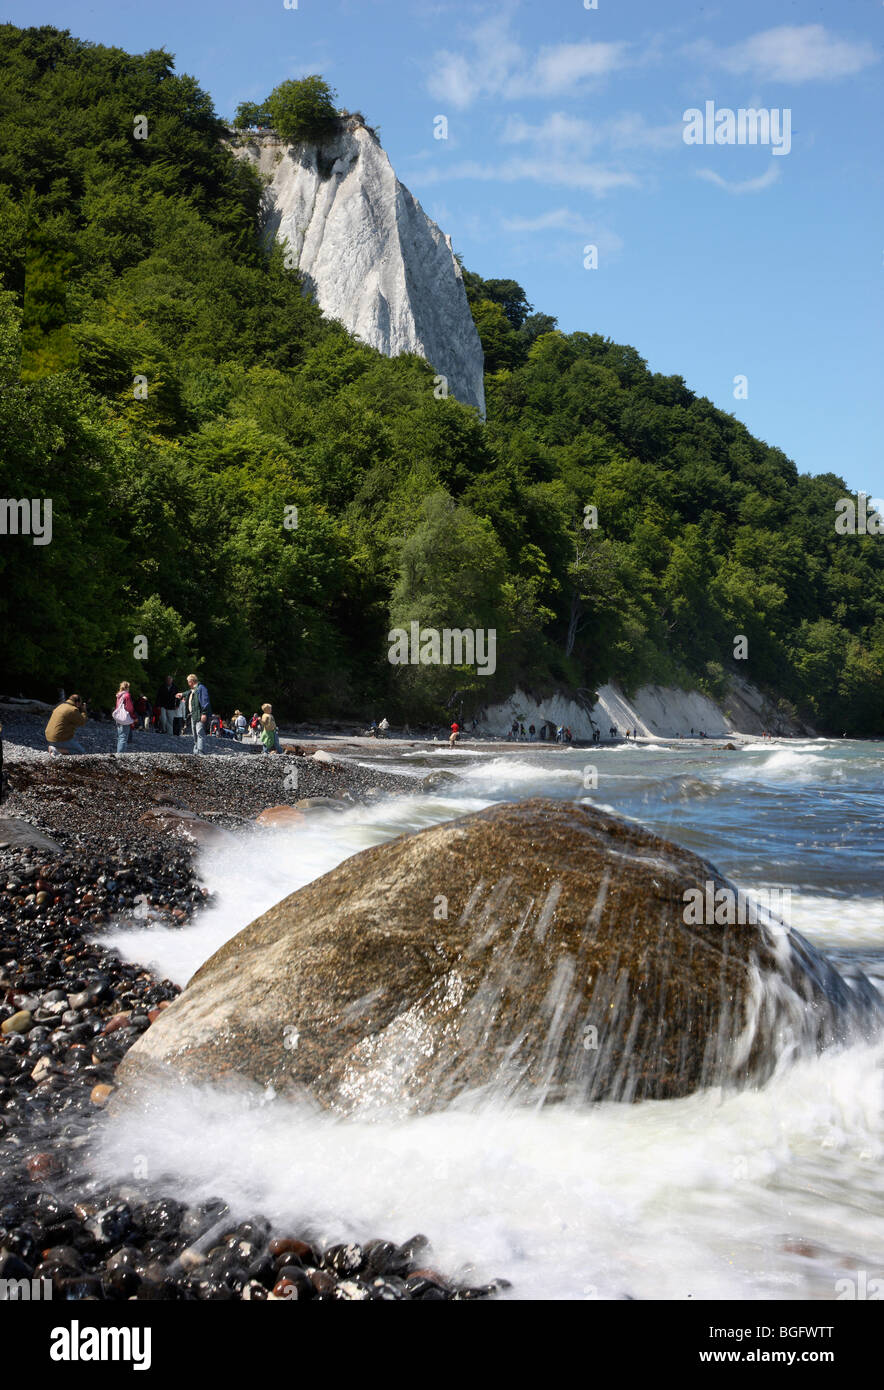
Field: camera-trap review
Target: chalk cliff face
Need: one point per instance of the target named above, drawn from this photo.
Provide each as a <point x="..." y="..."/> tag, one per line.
<point x="369" y="253"/>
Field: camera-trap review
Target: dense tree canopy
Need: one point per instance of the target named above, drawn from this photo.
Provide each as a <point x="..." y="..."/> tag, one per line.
<point x="302" y="108"/>
<point x="241" y="484"/>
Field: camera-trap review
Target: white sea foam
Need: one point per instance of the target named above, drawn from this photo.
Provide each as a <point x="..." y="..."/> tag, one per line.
<point x="786" y="764"/>
<point x="852" y="923"/>
<point x="676" y="1199"/>
<point x="506" y="775"/>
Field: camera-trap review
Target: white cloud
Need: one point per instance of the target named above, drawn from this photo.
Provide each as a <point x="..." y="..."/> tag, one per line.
<point x="757" y="185"/>
<point x="559" y="131"/>
<point x="497" y="65"/>
<point x="566" y="220"/>
<point x="571" y="173"/>
<point x="631" y="132"/>
<point x="559" y="219"/>
<point x="555" y="129"/>
<point x="454" y="81"/>
<point x="792" y="53"/>
<point x="561" y="67"/>
<point x="461" y="78"/>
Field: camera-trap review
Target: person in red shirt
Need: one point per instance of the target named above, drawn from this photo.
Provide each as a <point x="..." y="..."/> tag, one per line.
<point x="124" y="717"/>
<point x="455" y="734"/>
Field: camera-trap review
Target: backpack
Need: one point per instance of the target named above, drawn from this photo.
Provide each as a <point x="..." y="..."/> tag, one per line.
<point x="121" y="715"/>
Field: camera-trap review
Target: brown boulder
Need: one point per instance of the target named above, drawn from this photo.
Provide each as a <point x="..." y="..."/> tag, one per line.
<point x="171" y="821"/>
<point x="537" y="949"/>
<point x="280" y="815"/>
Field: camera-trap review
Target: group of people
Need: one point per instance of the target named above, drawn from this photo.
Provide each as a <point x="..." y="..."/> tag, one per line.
<point x="172" y="708"/>
<point x="519" y="734"/>
<point x="173" y="712"/>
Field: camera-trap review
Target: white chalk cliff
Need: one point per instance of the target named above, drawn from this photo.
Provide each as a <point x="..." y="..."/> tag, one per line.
<point x="368" y="252"/>
<point x="655" y="711"/>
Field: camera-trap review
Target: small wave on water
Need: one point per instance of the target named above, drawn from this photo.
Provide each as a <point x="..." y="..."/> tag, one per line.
<point x="502" y="776"/>
<point x="787" y="763"/>
<point x="829" y="921"/>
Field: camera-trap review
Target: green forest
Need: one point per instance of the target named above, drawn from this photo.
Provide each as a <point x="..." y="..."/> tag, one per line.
<point x="165" y="381"/>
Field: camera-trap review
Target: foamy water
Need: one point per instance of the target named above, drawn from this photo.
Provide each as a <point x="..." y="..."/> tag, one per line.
<point x="698" y="1198"/>
<point x="769" y="1193"/>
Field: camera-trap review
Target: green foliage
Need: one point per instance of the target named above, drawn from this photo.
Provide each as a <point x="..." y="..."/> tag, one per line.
<point x="252" y="113"/>
<point x="302" y="108"/>
<point x="281" y="496"/>
<point x="452" y="569"/>
<point x="10" y="340"/>
<point x="46" y="343"/>
<point x="171" y="646"/>
<point x="507" y="293"/>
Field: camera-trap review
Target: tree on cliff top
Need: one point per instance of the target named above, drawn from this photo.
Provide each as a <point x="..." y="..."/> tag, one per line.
<point x="250" y="114"/>
<point x="302" y="109"/>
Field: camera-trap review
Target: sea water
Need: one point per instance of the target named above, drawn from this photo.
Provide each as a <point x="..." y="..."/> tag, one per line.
<point x="767" y="1193"/>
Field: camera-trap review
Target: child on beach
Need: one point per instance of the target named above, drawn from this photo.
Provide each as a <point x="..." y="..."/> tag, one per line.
<point x="269" y="732"/>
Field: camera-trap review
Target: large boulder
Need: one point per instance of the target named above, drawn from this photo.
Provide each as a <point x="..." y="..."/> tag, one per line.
<point x="537" y="951"/>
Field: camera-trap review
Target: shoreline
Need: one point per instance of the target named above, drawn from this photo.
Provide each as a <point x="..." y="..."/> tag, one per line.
<point x="23" y="723"/>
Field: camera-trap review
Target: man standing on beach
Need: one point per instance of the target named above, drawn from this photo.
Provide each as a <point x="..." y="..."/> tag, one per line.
<point x="200" y="710"/>
<point x="64" y="723"/>
<point x="165" y="705"/>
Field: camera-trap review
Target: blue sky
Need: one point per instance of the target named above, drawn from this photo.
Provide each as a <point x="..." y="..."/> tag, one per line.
<point x="565" y="128"/>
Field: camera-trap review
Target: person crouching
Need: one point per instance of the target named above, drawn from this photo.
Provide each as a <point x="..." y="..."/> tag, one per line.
<point x="64" y="722"/>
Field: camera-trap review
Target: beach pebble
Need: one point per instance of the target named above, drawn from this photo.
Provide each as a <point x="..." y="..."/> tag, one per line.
<point x="289" y="1245"/>
<point x="116" y="1021"/>
<point x="17" y="1023"/>
<point x="191" y="1259"/>
<point x="344" y="1259"/>
<point x="42" y="1165"/>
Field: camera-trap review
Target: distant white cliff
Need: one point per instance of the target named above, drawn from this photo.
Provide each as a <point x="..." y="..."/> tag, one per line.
<point x="655" y="711"/>
<point x="368" y="252"/>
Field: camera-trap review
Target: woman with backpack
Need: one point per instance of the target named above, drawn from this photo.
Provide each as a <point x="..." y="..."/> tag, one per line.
<point x="124" y="717"/>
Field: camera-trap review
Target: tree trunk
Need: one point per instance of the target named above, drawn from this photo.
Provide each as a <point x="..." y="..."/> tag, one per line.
<point x="573" y="623"/>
